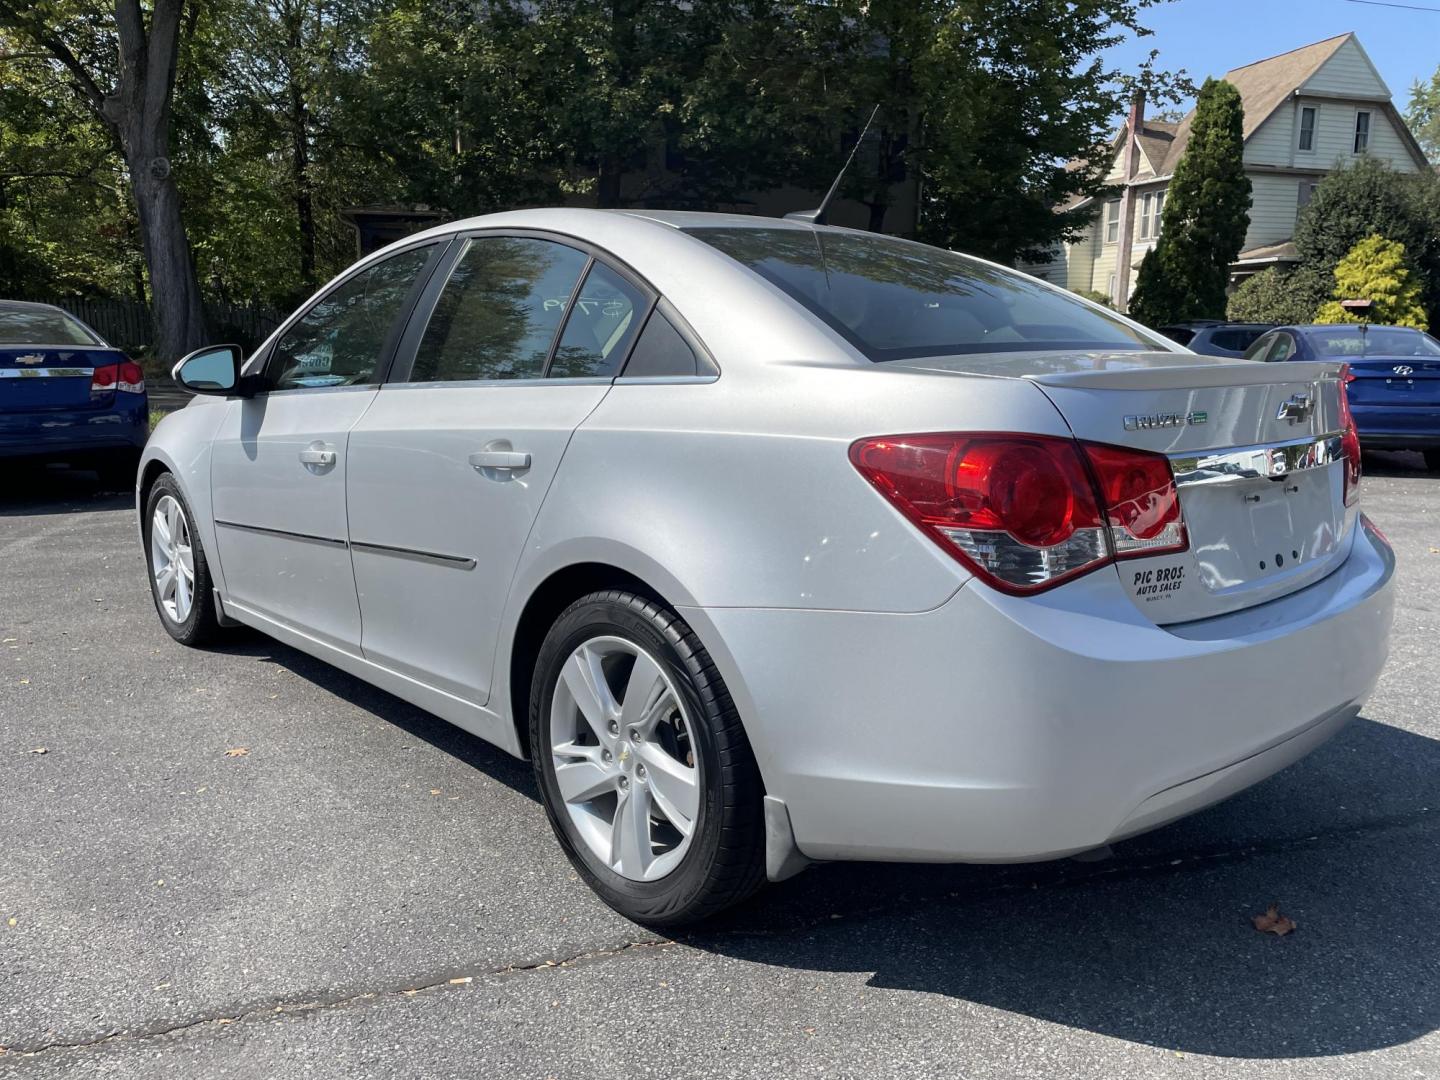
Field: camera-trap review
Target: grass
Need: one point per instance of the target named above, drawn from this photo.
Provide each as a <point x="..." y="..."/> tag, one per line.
<point x="156" y="415"/>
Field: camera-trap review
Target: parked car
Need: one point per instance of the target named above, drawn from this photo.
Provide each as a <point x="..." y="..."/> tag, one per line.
<point x="1393" y="373"/>
<point x="67" y="396"/>
<point x="1215" y="338"/>
<point x="770" y="542"/>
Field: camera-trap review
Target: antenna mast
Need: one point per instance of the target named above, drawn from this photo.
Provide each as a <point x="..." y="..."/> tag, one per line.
<point x="817" y="216"/>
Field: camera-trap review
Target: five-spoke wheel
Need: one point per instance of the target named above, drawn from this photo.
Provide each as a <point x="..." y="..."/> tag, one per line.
<point x="172" y="559"/>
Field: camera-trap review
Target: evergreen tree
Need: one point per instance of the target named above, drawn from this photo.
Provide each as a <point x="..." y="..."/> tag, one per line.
<point x="1205" y="219"/>
<point x="1280" y="296"/>
<point x="1375" y="270"/>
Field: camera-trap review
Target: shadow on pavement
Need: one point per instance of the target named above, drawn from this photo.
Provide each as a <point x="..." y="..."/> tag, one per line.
<point x="1154" y="946"/>
<point x="35" y="490"/>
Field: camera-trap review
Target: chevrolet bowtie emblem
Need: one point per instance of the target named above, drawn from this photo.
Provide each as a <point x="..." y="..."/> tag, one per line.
<point x="1298" y="408"/>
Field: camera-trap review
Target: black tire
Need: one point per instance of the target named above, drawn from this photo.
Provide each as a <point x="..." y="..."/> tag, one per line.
<point x="117" y="472"/>
<point x="1432" y="460"/>
<point x="725" y="861"/>
<point x="201" y="625"/>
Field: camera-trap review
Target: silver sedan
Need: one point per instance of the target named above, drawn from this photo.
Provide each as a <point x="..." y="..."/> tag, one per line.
<point x="770" y="542"/>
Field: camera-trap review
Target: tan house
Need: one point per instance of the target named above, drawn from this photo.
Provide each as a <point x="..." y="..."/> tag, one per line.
<point x="1307" y="113"/>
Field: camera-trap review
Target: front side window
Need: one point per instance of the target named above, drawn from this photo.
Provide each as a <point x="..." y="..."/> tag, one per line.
<point x="341" y="340"/>
<point x="42" y="326"/>
<point x="604" y="319"/>
<point x="1283" y="349"/>
<point x="894" y="299"/>
<point x="499" y="311"/>
<point x="1112" y="221"/>
<point x="1362" y="132"/>
<point x="1307" y="128"/>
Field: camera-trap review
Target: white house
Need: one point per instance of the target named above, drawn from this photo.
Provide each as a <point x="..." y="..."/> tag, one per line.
<point x="1307" y="113"/>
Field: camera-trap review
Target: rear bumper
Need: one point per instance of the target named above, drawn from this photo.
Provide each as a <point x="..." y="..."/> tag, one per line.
<point x="1003" y="729"/>
<point x="1398" y="427"/>
<point x="68" y="434"/>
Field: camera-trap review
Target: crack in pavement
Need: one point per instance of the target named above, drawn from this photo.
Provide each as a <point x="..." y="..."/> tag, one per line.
<point x="1118" y="870"/>
<point x="294" y="1005"/>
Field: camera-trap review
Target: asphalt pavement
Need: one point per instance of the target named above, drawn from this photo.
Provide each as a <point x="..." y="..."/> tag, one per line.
<point x="243" y="863"/>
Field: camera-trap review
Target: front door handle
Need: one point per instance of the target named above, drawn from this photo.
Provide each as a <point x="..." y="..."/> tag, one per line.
<point x="312" y="456"/>
<point x="500" y="459"/>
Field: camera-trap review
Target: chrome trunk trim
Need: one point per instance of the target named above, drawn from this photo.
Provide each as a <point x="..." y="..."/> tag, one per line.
<point x="1270" y="462"/>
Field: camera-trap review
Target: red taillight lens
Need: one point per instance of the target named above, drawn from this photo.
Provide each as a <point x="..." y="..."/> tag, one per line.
<point x="1022" y="510"/>
<point x="1350" y="440"/>
<point x="131" y="377"/>
<point x="1142" y="506"/>
<point x="104" y="378"/>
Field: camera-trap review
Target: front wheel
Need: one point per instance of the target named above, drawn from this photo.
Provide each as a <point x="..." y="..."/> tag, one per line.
<point x="643" y="765"/>
<point x="179" y="572"/>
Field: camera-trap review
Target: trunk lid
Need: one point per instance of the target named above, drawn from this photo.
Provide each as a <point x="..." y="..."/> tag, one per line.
<point x="1254" y="449"/>
<point x="1406" y="381"/>
<point x="36" y="378"/>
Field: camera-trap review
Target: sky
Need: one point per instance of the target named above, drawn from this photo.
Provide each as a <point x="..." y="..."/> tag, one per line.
<point x="1209" y="37"/>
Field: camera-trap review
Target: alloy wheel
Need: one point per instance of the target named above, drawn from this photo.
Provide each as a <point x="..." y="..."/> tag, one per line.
<point x="172" y="559"/>
<point x="625" y="764"/>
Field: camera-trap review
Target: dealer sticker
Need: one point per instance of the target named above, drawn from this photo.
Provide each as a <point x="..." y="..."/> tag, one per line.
<point x="1159" y="582"/>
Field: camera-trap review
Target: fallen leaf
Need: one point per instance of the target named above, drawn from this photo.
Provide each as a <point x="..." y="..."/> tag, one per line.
<point x="461" y="981"/>
<point x="237" y="751"/>
<point x="24" y="682"/>
<point x="40" y="750"/>
<point x="434" y="791"/>
<point x="1272" y="922"/>
<point x="13" y="922"/>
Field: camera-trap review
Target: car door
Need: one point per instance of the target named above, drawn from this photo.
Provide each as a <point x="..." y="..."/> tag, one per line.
<point x="449" y="466"/>
<point x="278" y="462"/>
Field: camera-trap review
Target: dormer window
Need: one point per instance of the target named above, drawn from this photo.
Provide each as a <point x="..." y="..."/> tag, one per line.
<point x="1307" y="128"/>
<point x="1362" y="131"/>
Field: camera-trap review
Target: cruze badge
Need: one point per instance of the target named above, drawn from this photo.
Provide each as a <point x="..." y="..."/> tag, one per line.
<point x="1298" y="408"/>
<point x="1149" y="421"/>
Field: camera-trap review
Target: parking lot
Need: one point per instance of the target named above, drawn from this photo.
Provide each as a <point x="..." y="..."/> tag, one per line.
<point x="245" y="863"/>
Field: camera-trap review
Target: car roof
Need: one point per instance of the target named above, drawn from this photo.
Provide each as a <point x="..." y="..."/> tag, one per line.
<point x="30" y="305"/>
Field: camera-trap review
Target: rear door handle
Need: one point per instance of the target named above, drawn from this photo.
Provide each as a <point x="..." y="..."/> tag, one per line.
<point x="317" y="457"/>
<point x="500" y="459"/>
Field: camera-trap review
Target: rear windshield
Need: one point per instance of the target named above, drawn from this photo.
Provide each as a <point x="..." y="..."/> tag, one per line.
<point x="1342" y="341"/>
<point x="41" y="326"/>
<point x="894" y="299"/>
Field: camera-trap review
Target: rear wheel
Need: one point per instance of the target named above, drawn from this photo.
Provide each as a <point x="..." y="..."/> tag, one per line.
<point x="644" y="767"/>
<point x="179" y="573"/>
<point x="1432" y="460"/>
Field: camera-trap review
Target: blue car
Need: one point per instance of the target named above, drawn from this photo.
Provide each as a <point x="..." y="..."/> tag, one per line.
<point x="65" y="395"/>
<point x="1394" y="384"/>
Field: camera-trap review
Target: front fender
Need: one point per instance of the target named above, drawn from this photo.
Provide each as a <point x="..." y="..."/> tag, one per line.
<point x="180" y="445"/>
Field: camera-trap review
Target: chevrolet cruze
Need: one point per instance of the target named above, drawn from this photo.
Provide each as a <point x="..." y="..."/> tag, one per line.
<point x="770" y="542"/>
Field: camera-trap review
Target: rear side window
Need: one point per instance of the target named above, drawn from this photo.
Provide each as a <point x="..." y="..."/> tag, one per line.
<point x="1234" y="340"/>
<point x="894" y="299"/>
<point x="1183" y="335"/>
<point x="499" y="311"/>
<point x="41" y="326"/>
<point x="603" y="320"/>
<point x="663" y="351"/>
<point x="341" y="339"/>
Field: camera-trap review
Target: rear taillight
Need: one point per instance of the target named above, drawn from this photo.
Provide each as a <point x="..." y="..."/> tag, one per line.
<point x="128" y="376"/>
<point x="131" y="378"/>
<point x="1350" y="440"/>
<point x="1026" y="512"/>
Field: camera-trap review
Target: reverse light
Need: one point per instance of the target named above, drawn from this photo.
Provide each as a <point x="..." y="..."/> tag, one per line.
<point x="1350" y="439"/>
<point x="1026" y="512"/>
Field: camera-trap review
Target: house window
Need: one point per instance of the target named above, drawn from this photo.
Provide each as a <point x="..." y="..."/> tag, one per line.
<point x="1307" y="128"/>
<point x="1307" y="192"/>
<point x="1362" y="132"/>
<point x="1159" y="206"/>
<point x="1112" y="221"/>
<point x="1146" y="202"/>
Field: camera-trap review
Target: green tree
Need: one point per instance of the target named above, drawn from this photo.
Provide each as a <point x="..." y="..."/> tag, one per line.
<point x="1205" y="219"/>
<point x="121" y="62"/>
<point x="1423" y="115"/>
<point x="1369" y="198"/>
<point x="1375" y="270"/>
<point x="1279" y="296"/>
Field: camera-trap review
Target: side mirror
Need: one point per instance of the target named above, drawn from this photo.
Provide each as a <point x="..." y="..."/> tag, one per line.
<point x="215" y="370"/>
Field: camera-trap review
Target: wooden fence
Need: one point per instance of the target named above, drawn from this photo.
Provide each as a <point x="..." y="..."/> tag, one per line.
<point x="128" y="325"/>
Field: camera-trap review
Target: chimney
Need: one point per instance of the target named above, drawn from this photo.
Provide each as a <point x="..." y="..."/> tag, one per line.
<point x="1134" y="124"/>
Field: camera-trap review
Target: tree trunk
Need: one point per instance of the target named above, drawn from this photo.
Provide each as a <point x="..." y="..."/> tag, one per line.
<point x="174" y="292"/>
<point x="607" y="183"/>
<point x="300" y="147"/>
